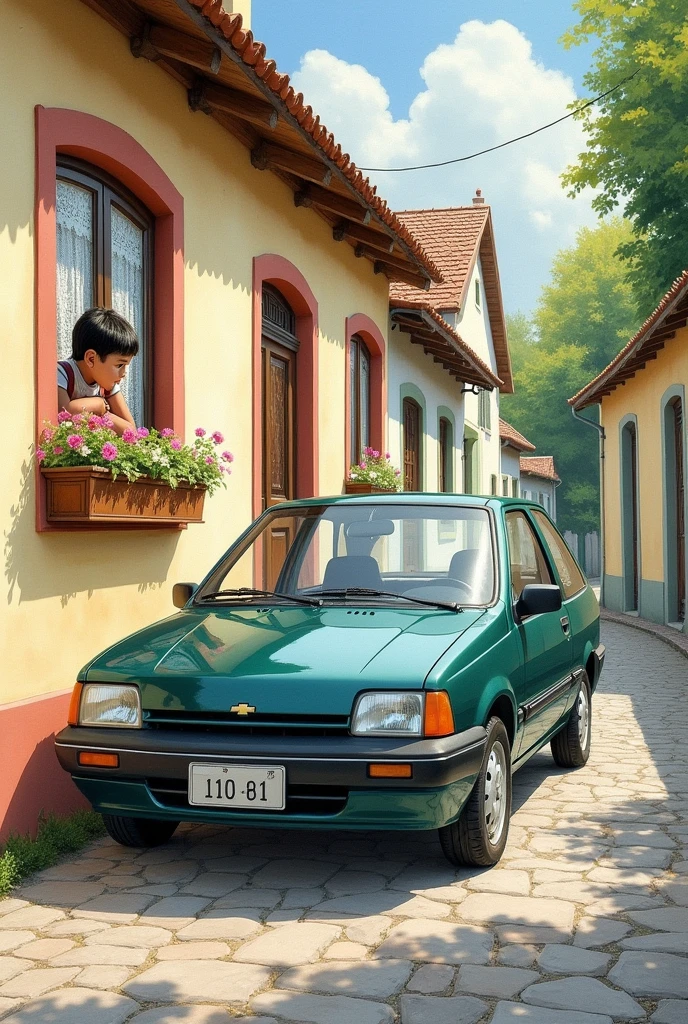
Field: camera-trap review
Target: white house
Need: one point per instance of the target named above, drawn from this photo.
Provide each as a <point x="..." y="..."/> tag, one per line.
<point x="514" y="445"/>
<point x="539" y="481"/>
<point x="448" y="356"/>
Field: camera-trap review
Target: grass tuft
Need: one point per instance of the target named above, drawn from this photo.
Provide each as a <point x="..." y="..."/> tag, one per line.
<point x="55" y="837"/>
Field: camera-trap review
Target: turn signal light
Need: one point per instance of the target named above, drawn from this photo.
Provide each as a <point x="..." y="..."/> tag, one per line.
<point x="439" y="720"/>
<point x="92" y="759"/>
<point x="390" y="771"/>
<point x="73" y="716"/>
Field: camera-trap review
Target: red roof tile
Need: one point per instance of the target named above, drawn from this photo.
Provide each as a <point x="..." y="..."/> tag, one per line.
<point x="511" y="436"/>
<point x="539" y="465"/>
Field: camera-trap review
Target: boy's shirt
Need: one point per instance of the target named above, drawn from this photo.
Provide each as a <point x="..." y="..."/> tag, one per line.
<point x="70" y="379"/>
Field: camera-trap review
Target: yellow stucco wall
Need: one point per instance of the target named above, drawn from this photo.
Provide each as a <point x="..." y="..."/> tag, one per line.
<point x="641" y="396"/>
<point x="67" y="596"/>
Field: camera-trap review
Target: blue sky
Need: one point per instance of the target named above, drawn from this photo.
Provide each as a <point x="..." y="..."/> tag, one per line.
<point x="406" y="82"/>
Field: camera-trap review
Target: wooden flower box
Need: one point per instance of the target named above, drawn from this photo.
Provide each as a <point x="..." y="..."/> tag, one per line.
<point x="90" y="494"/>
<point x="364" y="487"/>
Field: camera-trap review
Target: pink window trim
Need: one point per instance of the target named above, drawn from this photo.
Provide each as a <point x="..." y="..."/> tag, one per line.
<point x="364" y="326"/>
<point x="61" y="131"/>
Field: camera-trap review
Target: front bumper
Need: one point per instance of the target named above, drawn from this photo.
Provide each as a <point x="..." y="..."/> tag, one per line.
<point x="327" y="780"/>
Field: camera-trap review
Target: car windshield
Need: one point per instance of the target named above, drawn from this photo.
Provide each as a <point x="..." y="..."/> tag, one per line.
<point x="367" y="553"/>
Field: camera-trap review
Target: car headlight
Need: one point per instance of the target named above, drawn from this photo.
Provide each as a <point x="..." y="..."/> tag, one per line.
<point x="110" y="704"/>
<point x="388" y="714"/>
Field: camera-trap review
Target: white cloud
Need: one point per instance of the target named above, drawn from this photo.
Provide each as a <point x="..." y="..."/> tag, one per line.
<point x="480" y="90"/>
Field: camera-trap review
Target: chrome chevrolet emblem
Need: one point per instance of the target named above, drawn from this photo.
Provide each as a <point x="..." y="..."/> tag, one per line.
<point x="243" y="709"/>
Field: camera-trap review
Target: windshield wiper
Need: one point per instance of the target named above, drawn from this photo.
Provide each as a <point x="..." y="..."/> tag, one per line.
<point x="252" y="592"/>
<point x="452" y="606"/>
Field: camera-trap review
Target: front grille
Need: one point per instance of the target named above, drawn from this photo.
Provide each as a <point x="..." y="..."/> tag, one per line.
<point x="321" y="800"/>
<point x="261" y="725"/>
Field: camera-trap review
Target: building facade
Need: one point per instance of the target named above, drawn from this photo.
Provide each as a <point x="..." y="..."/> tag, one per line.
<point x="539" y="481"/>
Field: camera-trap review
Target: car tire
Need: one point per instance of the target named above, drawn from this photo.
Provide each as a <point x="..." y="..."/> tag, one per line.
<point x="571" y="745"/>
<point x="138" y="831"/>
<point x="478" y="837"/>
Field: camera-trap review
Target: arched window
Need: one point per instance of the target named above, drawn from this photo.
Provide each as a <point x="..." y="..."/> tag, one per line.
<point x="674" y="509"/>
<point x="446" y="441"/>
<point x="629" y="515"/>
<point x="412" y="434"/>
<point x="104" y="258"/>
<point x="359" y="390"/>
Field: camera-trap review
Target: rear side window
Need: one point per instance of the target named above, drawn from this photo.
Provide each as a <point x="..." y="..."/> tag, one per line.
<point x="526" y="559"/>
<point x="572" y="580"/>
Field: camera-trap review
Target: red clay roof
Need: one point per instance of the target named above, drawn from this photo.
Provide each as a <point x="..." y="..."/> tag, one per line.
<point x="511" y="436"/>
<point x="539" y="465"/>
<point x="670" y="314"/>
<point x="254" y="57"/>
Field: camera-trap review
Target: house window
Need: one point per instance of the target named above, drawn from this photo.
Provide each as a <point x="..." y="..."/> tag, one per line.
<point x="493" y="484"/>
<point x="359" y="405"/>
<point x="477" y="294"/>
<point x="505" y="486"/>
<point x="484" y="411"/>
<point x="446" y="480"/>
<point x="514" y="488"/>
<point x="104" y="257"/>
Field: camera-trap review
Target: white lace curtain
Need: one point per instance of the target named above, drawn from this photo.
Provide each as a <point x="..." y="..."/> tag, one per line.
<point x="127" y="298"/>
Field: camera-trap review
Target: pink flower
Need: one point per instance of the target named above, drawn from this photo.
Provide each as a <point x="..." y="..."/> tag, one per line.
<point x="217" y="437"/>
<point x="40" y="454"/>
<point x="75" y="440"/>
<point x="199" y="432"/>
<point x="78" y="419"/>
<point x="48" y="434"/>
<point x="376" y="455"/>
<point x="63" y="416"/>
<point x="175" y="443"/>
<point x="95" y="422"/>
<point x="58" y="449"/>
<point x="363" y="465"/>
<point x="167" y="432"/>
<point x="227" y="457"/>
<point x="109" y="451"/>
<point x="142" y="432"/>
<point x="222" y="469"/>
<point x="397" y="472"/>
<point x="210" y="460"/>
<point x="130" y="436"/>
<point x="387" y="455"/>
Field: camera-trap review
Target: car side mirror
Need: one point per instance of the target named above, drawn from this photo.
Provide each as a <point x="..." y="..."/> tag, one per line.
<point x="537" y="598"/>
<point x="182" y="593"/>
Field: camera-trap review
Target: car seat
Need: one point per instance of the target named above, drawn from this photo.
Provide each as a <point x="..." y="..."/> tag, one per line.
<point x="352" y="571"/>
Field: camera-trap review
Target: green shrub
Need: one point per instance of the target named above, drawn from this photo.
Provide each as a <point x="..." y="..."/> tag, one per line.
<point x="55" y="837"/>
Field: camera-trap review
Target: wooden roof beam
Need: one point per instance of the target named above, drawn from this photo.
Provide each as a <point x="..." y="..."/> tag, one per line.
<point x="157" y="41"/>
<point x="267" y="155"/>
<point x="374" y="254"/>
<point x="359" y="233"/>
<point x="208" y="97"/>
<point x="121" y="14"/>
<point x="395" y="274"/>
<point x="313" y="195"/>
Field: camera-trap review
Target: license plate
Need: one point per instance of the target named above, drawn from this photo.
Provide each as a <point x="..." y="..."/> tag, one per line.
<point x="237" y="785"/>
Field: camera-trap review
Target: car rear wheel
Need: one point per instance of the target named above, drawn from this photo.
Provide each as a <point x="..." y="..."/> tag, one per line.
<point x="571" y="745"/>
<point x="138" y="831"/>
<point x="479" y="835"/>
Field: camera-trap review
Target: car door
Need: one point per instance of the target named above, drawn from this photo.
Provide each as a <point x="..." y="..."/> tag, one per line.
<point x="545" y="639"/>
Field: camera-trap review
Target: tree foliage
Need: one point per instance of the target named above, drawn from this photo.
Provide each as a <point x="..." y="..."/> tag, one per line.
<point x="637" y="148"/>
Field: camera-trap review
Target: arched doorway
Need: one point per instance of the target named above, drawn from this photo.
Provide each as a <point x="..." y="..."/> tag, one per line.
<point x="674" y="510"/>
<point x="629" y="515"/>
<point x="412" y="433"/>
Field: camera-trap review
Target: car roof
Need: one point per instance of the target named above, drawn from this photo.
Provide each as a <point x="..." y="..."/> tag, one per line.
<point x="411" y="498"/>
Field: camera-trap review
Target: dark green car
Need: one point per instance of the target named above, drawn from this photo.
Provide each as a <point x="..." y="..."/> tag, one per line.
<point x="404" y="654"/>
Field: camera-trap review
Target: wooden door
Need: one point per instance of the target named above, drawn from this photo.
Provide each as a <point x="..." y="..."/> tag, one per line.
<point x="634" y="516"/>
<point x="680" y="511"/>
<point x="412" y="540"/>
<point x="279" y="372"/>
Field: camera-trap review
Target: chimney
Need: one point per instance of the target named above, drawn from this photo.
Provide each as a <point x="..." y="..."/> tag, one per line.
<point x="478" y="197"/>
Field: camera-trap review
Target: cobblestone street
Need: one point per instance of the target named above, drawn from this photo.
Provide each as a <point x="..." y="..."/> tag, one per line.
<point x="585" y="920"/>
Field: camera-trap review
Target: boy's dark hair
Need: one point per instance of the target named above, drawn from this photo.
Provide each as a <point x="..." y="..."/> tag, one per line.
<point x="105" y="331"/>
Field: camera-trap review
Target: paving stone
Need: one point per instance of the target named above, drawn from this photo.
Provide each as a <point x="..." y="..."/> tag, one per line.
<point x="587" y="994"/>
<point x="214" y="884"/>
<point x="80" y="926"/>
<point x="144" y="936"/>
<point x="222" y="924"/>
<point x="64" y="894"/>
<point x="395" y="904"/>
<point x="501" y="880"/>
<point x="46" y="949"/>
<point x="287" y="915"/>
<point x="192" y="1015"/>
<point x="82" y="956"/>
<point x="289" y="946"/>
<point x="75" y="1006"/>
<point x="444" y="893"/>
<point x="498" y="982"/>
<point x="313" y="1009"/>
<point x="8" y="1004"/>
<point x="9" y="905"/>
<point x="431" y="978"/>
<point x="345" y="883"/>
<point x="346" y="951"/>
<point x="441" y="1009"/>
<point x="11" y="940"/>
<point x="373" y="979"/>
<point x="76" y="870"/>
<point x="102" y="976"/>
<point x="32" y="984"/>
<point x="519" y="1013"/>
<point x="301" y="898"/>
<point x="671" y="1011"/>
<point x="31" y="917"/>
<point x="676" y="891"/>
<point x="266" y="898"/>
<point x="438" y="942"/>
<point x="198" y="981"/>
<point x="174" y="871"/>
<point x="121" y="908"/>
<point x="294" y="874"/>
<point x="625" y="878"/>
<point x="559" y="959"/>
<point x="193" y="951"/>
<point x="517" y="955"/>
<point x="529" y="935"/>
<point x="368" y="930"/>
<point x="636" y="857"/>
<point x="599" y="931"/>
<point x="669" y="919"/>
<point x="524" y="910"/>
<point x="174" y="912"/>
<point x="621" y="902"/>
<point x="12" y="965"/>
<point x="643" y="837"/>
<point x="651" y="975"/>
<point x="418" y="878"/>
<point x="658" y="942"/>
<point x="235" y="864"/>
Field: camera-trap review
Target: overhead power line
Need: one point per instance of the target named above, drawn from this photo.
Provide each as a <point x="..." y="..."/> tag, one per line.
<point x="491" y="149"/>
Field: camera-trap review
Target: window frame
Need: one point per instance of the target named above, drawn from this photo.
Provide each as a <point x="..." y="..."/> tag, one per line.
<point x="445" y="440"/>
<point x="357" y="345"/>
<point x="536" y="515"/>
<point x="541" y="551"/>
<point x="107" y="192"/>
<point x="484" y="410"/>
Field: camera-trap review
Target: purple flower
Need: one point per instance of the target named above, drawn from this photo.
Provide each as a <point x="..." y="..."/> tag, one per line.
<point x="210" y="460"/>
<point x="95" y="422"/>
<point x="387" y="455"/>
<point x="363" y="465"/>
<point x="142" y="432"/>
<point x="78" y="419"/>
<point x="175" y="443"/>
<point x="130" y="436"/>
<point x="167" y="432"/>
<point x="58" y="449"/>
<point x="199" y="432"/>
<point x="376" y="454"/>
<point x="48" y="434"/>
<point x="63" y="416"/>
<point x="75" y="440"/>
<point x="40" y="454"/>
<point x="217" y="437"/>
<point x="109" y="451"/>
<point x="397" y="472"/>
<point x="222" y="469"/>
<point x="227" y="457"/>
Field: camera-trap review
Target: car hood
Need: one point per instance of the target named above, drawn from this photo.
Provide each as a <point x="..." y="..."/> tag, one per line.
<point x="282" y="660"/>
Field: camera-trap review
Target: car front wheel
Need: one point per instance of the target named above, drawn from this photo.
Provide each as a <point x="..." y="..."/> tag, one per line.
<point x="138" y="831"/>
<point x="479" y="835"/>
<point x="571" y="745"/>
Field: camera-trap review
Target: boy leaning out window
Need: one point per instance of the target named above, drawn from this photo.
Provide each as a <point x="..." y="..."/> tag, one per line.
<point x="103" y="345"/>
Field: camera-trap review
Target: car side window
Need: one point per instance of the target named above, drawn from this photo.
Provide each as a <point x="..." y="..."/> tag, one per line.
<point x="571" y="577"/>
<point x="526" y="559"/>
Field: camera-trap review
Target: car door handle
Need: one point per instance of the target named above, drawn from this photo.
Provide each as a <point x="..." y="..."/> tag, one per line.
<point x="565" y="624"/>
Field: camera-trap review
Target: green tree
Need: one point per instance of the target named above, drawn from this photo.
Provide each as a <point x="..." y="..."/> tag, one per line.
<point x="637" y="148"/>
